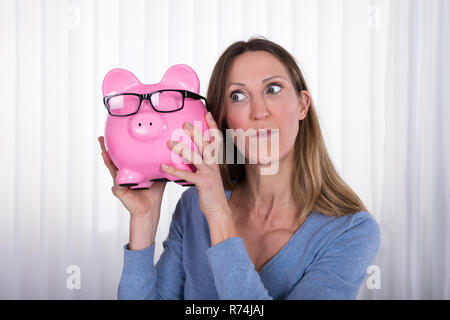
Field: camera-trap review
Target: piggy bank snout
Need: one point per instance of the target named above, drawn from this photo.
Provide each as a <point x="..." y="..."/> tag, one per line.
<point x="146" y="126"/>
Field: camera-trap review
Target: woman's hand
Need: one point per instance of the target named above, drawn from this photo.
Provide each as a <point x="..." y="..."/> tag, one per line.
<point x="207" y="178"/>
<point x="138" y="202"/>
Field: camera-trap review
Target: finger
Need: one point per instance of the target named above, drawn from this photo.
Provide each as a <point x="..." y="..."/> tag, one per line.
<point x="210" y="121"/>
<point x="215" y="135"/>
<point x="211" y="152"/>
<point x="186" y="153"/>
<point x="197" y="136"/>
<point x="107" y="160"/>
<point x="110" y="165"/>
<point x="101" y="141"/>
<point x="180" y="173"/>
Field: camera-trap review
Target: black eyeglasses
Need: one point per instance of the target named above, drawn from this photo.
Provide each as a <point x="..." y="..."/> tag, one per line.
<point x="167" y="100"/>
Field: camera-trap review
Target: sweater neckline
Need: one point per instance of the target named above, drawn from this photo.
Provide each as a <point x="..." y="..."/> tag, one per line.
<point x="286" y="245"/>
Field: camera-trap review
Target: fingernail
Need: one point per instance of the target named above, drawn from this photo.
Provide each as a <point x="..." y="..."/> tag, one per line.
<point x="164" y="166"/>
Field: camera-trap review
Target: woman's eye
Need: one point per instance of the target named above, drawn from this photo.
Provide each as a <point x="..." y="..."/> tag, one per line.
<point x="274" y="88"/>
<point x="237" y="96"/>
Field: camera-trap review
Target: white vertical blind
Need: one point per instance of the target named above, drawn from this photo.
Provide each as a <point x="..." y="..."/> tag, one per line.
<point x="56" y="128"/>
<point x="377" y="71"/>
<point x="414" y="210"/>
<point x="29" y="177"/>
<point x="8" y="81"/>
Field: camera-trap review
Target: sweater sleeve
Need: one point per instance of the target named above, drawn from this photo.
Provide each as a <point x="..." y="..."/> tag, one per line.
<point x="336" y="274"/>
<point x="141" y="279"/>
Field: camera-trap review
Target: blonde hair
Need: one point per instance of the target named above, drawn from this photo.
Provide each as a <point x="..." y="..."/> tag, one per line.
<point x="316" y="183"/>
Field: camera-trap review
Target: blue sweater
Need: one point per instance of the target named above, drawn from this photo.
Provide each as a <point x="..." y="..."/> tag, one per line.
<point x="326" y="258"/>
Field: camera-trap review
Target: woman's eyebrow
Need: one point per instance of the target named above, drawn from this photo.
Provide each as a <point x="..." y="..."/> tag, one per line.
<point x="265" y="80"/>
<point x="269" y="78"/>
<point x="238" y="83"/>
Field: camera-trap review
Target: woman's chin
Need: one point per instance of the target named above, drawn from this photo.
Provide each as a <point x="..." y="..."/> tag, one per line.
<point x="262" y="161"/>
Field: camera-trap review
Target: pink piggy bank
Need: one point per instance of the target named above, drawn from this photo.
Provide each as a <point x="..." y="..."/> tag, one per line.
<point x="142" y="118"/>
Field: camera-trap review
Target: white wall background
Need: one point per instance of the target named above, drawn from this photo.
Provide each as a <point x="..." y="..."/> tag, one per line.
<point x="377" y="71"/>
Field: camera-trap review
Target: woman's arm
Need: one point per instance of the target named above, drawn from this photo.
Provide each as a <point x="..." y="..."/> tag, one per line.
<point x="141" y="279"/>
<point x="143" y="230"/>
<point x="221" y="227"/>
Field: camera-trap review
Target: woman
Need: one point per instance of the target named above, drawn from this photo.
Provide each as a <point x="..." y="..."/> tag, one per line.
<point x="298" y="233"/>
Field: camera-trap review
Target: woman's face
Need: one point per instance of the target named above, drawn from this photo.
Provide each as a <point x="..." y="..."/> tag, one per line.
<point x="260" y="95"/>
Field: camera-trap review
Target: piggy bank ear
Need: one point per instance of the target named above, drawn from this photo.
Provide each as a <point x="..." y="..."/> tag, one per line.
<point x="181" y="76"/>
<point x="118" y="80"/>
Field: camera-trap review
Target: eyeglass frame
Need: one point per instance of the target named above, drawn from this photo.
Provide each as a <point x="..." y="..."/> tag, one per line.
<point x="147" y="96"/>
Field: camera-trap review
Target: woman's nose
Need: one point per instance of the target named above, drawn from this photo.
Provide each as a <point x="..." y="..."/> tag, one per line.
<point x="259" y="109"/>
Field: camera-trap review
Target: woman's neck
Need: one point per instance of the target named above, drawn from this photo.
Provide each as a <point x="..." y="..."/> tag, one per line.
<point x="268" y="198"/>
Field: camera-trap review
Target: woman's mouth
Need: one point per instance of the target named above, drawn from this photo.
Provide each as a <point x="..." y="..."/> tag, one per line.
<point x="263" y="133"/>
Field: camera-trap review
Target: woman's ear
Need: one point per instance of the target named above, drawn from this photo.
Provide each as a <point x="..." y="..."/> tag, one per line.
<point x="304" y="102"/>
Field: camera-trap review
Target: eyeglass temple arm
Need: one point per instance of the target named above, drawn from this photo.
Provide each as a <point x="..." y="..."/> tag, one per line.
<point x="189" y="94"/>
<point x="105" y="101"/>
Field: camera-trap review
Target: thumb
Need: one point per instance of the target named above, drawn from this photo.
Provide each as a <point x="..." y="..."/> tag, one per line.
<point x="119" y="191"/>
<point x="124" y="195"/>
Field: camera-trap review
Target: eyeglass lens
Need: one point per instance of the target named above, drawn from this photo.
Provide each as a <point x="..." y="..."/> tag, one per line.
<point x="162" y="101"/>
<point x="167" y="100"/>
<point x="123" y="104"/>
